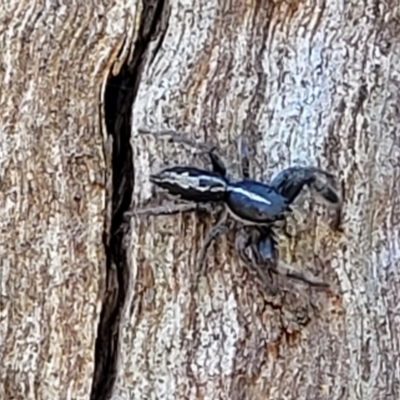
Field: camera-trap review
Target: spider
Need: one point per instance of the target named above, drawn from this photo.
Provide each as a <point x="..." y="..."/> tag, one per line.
<point x="257" y="206"/>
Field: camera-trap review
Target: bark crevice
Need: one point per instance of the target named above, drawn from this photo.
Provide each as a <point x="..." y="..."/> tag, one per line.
<point x="119" y="97"/>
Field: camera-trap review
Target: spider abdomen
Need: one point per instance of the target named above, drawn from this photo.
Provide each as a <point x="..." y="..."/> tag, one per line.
<point x="191" y="183"/>
<point x="255" y="203"/>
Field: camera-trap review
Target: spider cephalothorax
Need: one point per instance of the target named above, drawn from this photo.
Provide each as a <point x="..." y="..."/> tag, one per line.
<point x="256" y="205"/>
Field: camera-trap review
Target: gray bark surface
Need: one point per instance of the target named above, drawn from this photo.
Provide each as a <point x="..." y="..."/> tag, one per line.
<point x="95" y="305"/>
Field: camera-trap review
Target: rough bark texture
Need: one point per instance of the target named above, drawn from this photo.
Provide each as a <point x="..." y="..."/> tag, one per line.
<point x="306" y="83"/>
<point x="54" y="61"/>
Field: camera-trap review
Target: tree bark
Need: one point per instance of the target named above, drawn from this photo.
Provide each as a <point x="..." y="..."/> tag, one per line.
<point x="96" y="305"/>
<point x="55" y="59"/>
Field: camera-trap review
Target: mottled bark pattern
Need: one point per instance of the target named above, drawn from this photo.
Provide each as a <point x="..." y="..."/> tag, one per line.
<point x="54" y="59"/>
<point x="307" y="83"/>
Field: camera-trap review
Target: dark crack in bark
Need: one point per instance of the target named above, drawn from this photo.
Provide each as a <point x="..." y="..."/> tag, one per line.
<point x="119" y="97"/>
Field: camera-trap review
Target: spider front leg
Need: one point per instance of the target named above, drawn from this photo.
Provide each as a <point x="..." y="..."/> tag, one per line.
<point x="291" y="181"/>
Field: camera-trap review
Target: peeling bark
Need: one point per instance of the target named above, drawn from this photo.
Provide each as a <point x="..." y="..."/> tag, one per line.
<point x="96" y="305"/>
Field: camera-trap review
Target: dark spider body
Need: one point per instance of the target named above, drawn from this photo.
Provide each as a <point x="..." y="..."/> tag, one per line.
<point x="248" y="201"/>
<point x="256" y="204"/>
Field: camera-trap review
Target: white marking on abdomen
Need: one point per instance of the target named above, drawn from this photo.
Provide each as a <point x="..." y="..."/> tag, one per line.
<point x="250" y="195"/>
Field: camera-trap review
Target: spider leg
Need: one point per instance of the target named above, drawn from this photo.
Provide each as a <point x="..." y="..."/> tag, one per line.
<point x="244" y="157"/>
<point x="245" y="241"/>
<point x="217" y="163"/>
<point x="169" y="209"/>
<point x="282" y="223"/>
<point x="166" y="209"/>
<point x="326" y="186"/>
<point x="284" y="269"/>
<point x="220" y="228"/>
<point x="291" y="181"/>
<point x="180" y="137"/>
<point x="176" y="137"/>
<point x="266" y="250"/>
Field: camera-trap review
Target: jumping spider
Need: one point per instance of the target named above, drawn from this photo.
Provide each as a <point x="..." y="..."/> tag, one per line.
<point x="257" y="206"/>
